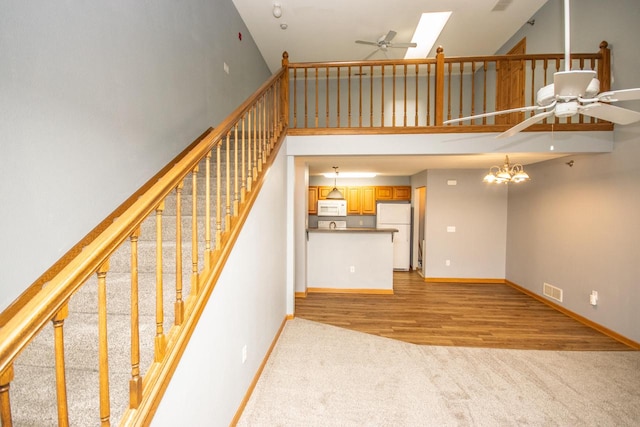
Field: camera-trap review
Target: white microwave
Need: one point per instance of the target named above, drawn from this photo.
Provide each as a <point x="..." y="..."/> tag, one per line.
<point x="332" y="208"/>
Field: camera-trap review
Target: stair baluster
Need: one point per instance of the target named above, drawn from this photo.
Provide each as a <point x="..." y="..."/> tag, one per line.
<point x="61" y="382"/>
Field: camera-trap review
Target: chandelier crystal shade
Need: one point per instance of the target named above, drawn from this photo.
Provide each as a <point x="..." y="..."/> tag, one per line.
<point x="506" y="174"/>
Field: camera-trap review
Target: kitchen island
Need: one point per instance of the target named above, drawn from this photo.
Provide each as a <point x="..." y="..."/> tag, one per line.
<point x="350" y="260"/>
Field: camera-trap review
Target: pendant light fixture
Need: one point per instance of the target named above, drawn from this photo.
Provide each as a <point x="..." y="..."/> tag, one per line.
<point x="335" y="194"/>
<point x="506" y="174"/>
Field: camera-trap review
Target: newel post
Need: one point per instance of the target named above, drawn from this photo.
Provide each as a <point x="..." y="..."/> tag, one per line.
<point x="439" y="89"/>
<point x="604" y="67"/>
<point x="284" y="89"/>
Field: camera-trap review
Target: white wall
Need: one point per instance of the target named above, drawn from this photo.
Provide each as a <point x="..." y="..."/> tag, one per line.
<point x="300" y="224"/>
<point x="577" y="228"/>
<point x="476" y="250"/>
<point x="247" y="307"/>
<point x="96" y="97"/>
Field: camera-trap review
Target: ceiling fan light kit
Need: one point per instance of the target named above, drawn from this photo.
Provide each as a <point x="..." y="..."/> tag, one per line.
<point x="572" y="92"/>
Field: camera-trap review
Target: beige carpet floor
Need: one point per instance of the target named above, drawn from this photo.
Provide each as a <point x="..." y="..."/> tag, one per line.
<point x="321" y="375"/>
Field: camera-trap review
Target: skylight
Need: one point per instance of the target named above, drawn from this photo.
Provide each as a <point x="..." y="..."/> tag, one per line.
<point x="426" y="34"/>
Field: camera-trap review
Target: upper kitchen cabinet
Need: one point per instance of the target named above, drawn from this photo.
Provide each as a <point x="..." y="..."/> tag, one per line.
<point x="397" y="192"/>
<point x="361" y="200"/>
<point x="313" y="200"/>
<point x="324" y="190"/>
<point x="401" y="193"/>
<point x="384" y="193"/>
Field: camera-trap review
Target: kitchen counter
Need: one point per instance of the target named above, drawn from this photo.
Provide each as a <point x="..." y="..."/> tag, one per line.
<point x="350" y="260"/>
<point x="352" y="230"/>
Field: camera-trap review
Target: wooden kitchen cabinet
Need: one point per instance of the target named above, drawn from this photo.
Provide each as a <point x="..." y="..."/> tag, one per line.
<point x="402" y="193"/>
<point x="353" y="200"/>
<point x="313" y="200"/>
<point x="396" y="192"/>
<point x="324" y="190"/>
<point x="368" y="200"/>
<point x="384" y="193"/>
<point x="361" y="200"/>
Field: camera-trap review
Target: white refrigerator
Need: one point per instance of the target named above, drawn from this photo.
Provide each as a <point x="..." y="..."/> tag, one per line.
<point x="398" y="216"/>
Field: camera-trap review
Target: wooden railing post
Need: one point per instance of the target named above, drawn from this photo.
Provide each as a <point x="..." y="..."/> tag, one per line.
<point x="604" y="67"/>
<point x="61" y="382"/>
<point x="160" y="339"/>
<point x="207" y="211"/>
<point x="135" y="383"/>
<point x="439" y="87"/>
<point x="284" y="92"/>
<point x="6" y="377"/>
<point x="103" y="346"/>
<point x="194" y="231"/>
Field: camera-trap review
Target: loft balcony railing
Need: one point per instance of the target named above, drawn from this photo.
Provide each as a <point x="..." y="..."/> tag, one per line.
<point x="211" y="186"/>
<point x="208" y="190"/>
<point x="417" y="96"/>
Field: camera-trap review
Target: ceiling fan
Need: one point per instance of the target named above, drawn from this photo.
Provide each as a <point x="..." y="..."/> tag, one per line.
<point x="384" y="42"/>
<point x="572" y="92"/>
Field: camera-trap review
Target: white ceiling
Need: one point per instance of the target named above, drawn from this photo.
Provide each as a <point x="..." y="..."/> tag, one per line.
<point x="326" y="30"/>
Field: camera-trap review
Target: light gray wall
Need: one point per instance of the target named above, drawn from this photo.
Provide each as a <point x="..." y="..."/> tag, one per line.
<point x="247" y="307"/>
<point x="95" y="98"/>
<point x="476" y="250"/>
<point x="577" y="228"/>
<point x="301" y="222"/>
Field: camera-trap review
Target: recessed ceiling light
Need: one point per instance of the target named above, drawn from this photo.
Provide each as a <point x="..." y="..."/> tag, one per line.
<point x="427" y="32"/>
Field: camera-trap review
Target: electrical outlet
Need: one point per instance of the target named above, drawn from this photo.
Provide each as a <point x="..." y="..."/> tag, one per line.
<point x="226" y="68"/>
<point x="244" y="353"/>
<point x="447" y="262"/>
<point x="352" y="269"/>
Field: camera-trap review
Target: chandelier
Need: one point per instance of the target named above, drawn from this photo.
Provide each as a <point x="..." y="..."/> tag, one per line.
<point x="507" y="173"/>
<point x="335" y="194"/>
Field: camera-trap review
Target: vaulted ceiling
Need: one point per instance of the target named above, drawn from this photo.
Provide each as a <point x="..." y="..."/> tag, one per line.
<point x="327" y="30"/>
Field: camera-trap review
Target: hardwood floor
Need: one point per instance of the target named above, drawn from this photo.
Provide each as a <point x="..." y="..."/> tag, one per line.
<point x="455" y="314"/>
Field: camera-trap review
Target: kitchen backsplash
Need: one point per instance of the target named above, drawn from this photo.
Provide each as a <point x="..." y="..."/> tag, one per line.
<point x="368" y="221"/>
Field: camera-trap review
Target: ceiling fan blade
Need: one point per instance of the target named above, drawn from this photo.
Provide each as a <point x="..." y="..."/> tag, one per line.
<point x="571" y="84"/>
<point x="610" y="113"/>
<point x="366" y="42"/>
<point x="390" y="35"/>
<point x="403" y="45"/>
<point x="526" y="123"/>
<point x="496" y="113"/>
<point x="370" y="55"/>
<point x="619" y="95"/>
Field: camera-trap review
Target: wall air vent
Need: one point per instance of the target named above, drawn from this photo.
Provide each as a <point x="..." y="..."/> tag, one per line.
<point x="552" y="292"/>
<point x="501" y="5"/>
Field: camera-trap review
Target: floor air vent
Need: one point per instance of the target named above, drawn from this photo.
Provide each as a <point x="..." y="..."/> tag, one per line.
<point x="552" y="292"/>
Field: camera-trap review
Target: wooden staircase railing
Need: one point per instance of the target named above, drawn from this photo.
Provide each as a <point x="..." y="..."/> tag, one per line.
<point x="233" y="158"/>
<point x="417" y="96"/>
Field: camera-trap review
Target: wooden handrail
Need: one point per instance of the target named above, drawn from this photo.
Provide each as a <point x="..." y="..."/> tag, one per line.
<point x="51" y="301"/>
<point x="459" y="87"/>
